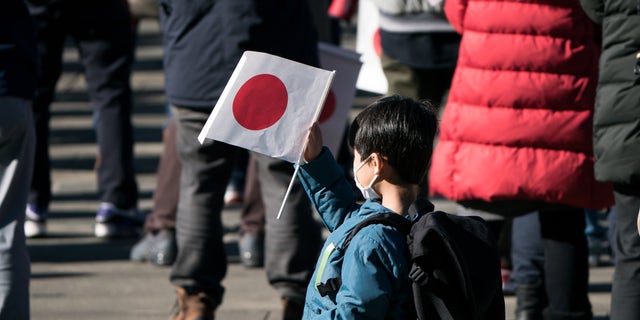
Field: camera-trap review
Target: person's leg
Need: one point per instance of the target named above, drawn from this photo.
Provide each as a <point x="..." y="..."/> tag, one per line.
<point x="401" y="78"/>
<point x="50" y="35"/>
<point x="167" y="192"/>
<point x="611" y="233"/>
<point x="236" y="186"/>
<point x="158" y="245"/>
<point x="527" y="250"/>
<point x="201" y="263"/>
<point x="527" y="257"/>
<point x="293" y="242"/>
<point x="433" y="84"/>
<point x="16" y="164"/>
<point x="252" y="225"/>
<point x="502" y="230"/>
<point x="566" y="267"/>
<point x="104" y="36"/>
<point x="596" y="236"/>
<point x="625" y="293"/>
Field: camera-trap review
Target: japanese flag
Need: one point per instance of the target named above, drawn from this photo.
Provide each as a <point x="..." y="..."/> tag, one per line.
<point x="333" y="119"/>
<point x="269" y="105"/>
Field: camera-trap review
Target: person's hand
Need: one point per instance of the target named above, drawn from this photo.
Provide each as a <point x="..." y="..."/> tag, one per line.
<point x="314" y="144"/>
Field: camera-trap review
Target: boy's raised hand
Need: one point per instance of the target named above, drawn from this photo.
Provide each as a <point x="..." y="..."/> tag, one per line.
<point x="314" y="144"/>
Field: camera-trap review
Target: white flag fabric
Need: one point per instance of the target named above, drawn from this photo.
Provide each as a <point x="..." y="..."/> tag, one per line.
<point x="333" y="119"/>
<point x="371" y="77"/>
<point x="268" y="106"/>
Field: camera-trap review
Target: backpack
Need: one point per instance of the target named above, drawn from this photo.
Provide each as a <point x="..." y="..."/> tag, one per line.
<point x="455" y="265"/>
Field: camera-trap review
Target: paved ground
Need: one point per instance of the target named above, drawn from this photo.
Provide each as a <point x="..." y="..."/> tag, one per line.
<point x="76" y="276"/>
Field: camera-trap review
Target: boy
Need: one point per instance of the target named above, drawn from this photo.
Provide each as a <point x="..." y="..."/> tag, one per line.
<point x="392" y="140"/>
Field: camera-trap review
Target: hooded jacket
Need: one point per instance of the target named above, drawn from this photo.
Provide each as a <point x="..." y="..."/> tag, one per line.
<point x="373" y="268"/>
<point x="617" y="111"/>
<point x="518" y="121"/>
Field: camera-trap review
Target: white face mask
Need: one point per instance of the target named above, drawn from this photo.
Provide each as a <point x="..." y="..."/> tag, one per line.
<point x="367" y="192"/>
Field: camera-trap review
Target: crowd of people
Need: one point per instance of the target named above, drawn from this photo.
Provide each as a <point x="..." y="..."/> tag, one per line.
<point x="539" y="132"/>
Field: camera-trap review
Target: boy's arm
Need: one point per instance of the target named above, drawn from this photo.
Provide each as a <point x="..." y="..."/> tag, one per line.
<point x="325" y="184"/>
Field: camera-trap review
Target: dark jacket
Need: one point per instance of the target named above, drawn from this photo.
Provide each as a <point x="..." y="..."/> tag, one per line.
<point x="218" y="32"/>
<point x="17" y="50"/>
<point x="617" y="116"/>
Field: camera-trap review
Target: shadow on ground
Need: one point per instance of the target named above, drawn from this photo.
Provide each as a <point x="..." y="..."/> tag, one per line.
<point x="50" y="251"/>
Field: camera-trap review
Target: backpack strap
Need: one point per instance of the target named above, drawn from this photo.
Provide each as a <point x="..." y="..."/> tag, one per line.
<point x="400" y="223"/>
<point x="438" y="304"/>
<point x="418" y="276"/>
<point x="396" y="221"/>
<point x="421" y="279"/>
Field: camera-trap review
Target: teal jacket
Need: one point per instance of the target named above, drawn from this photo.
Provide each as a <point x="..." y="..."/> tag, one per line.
<point x="373" y="269"/>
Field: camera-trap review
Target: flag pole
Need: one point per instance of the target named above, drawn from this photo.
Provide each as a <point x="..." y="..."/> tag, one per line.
<point x="301" y="157"/>
<point x="286" y="195"/>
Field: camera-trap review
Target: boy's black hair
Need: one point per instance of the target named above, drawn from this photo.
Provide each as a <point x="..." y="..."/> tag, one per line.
<point x="400" y="129"/>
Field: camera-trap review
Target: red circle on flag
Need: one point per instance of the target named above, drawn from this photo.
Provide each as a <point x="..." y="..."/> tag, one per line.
<point x="329" y="107"/>
<point x="377" y="43"/>
<point x="260" y="102"/>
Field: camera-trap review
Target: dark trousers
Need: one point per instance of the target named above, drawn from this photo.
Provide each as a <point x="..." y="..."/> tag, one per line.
<point x="416" y="83"/>
<point x="566" y="267"/>
<point x="167" y="193"/>
<point x="625" y="293"/>
<point x="292" y="243"/>
<point x="527" y="251"/>
<point x="201" y="263"/>
<point x="253" y="219"/>
<point x="16" y="156"/>
<point x="102" y="32"/>
<point x="549" y="251"/>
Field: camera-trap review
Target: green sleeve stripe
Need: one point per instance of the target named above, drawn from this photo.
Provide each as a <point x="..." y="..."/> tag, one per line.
<point x="323" y="263"/>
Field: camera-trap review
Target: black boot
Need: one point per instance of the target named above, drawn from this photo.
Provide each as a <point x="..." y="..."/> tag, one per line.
<point x="531" y="300"/>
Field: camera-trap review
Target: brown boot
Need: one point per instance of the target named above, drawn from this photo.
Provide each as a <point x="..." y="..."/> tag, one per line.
<point x="193" y="306"/>
<point x="291" y="309"/>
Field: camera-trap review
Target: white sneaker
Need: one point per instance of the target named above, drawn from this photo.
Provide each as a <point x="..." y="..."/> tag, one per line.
<point x="113" y="222"/>
<point x="35" y="224"/>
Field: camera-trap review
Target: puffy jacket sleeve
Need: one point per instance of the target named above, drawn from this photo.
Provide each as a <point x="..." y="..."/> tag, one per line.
<point x="455" y="11"/>
<point x="324" y="182"/>
<point x="594" y="9"/>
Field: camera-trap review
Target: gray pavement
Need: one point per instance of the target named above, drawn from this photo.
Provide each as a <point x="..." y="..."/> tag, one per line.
<point x="76" y="276"/>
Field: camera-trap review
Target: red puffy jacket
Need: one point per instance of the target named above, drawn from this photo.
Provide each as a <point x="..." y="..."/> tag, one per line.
<point x="518" y="121"/>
